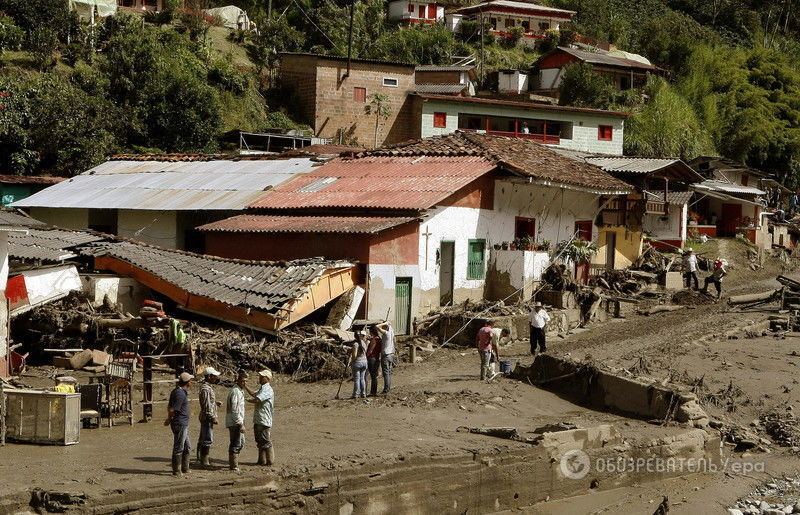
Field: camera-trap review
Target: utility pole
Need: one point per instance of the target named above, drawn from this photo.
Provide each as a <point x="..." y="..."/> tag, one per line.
<point x="269" y="11"/>
<point x="350" y="38"/>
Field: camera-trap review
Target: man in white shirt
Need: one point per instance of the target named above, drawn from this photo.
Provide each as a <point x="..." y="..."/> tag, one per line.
<point x="386" y="331"/>
<point x="690" y="269"/>
<point x="234" y="419"/>
<point x="538" y="321"/>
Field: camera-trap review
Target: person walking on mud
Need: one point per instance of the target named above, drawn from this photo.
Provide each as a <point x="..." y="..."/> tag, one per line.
<point x="387" y="354"/>
<point x="538" y="321"/>
<point x="208" y="416"/>
<point x="374" y="360"/>
<point x="264" y="399"/>
<point x="234" y="419"/>
<point x="178" y="421"/>
<point x="716" y="276"/>
<point x="690" y="269"/>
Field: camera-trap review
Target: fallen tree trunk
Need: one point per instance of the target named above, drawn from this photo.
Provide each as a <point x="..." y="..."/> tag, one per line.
<point x="661" y="309"/>
<point x="753" y="297"/>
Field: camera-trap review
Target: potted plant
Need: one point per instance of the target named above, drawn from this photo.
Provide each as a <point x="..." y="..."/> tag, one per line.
<point x="694" y="218"/>
<point x="577" y="251"/>
<point x="497" y="246"/>
<point x="514" y="244"/>
<point x="505" y="245"/>
<point x="544" y="246"/>
<point x="528" y="243"/>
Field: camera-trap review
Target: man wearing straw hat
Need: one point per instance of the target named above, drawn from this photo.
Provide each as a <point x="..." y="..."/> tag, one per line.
<point x="208" y="416"/>
<point x="538" y="321"/>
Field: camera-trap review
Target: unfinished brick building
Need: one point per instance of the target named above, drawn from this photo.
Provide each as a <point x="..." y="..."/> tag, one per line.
<point x="332" y="93"/>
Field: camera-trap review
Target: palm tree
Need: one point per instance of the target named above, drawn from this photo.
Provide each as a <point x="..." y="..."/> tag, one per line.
<point x="377" y="106"/>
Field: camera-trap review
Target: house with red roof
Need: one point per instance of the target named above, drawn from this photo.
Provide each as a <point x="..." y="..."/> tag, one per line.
<point x="433" y="221"/>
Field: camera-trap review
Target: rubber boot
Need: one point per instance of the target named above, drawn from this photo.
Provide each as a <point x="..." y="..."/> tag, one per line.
<point x="270" y="459"/>
<point x="185" y="462"/>
<point x="262" y="457"/>
<point x="176" y="465"/>
<point x="204" y="460"/>
<point x="233" y="461"/>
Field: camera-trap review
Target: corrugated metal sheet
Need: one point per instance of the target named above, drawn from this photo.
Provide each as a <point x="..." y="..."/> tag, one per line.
<point x="260" y="285"/>
<point x="631" y="164"/>
<point x="608" y="60"/>
<point x="48" y="245"/>
<point x="305" y="224"/>
<point x="10" y="217"/>
<point x="415" y="182"/>
<point x="673" y="197"/>
<point x="529" y="6"/>
<point x="728" y="187"/>
<point x="164" y="185"/>
<point x="440" y="89"/>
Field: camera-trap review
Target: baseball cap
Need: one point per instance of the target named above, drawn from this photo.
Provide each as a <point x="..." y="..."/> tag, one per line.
<point x="185" y="377"/>
<point x="266" y="373"/>
<point x="211" y="371"/>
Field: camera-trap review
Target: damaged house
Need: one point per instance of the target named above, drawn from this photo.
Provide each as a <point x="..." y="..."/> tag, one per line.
<point x="432" y="220"/>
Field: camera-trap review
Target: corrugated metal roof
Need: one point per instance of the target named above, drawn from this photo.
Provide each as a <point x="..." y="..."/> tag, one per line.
<point x="29" y="179"/>
<point x="48" y="245"/>
<point x="306" y="224"/>
<point x="260" y="285"/>
<point x="344" y="58"/>
<point x="631" y="164"/>
<point x="11" y="217"/>
<point x="532" y="106"/>
<point x="673" y="197"/>
<point x="607" y="60"/>
<point x="441" y="89"/>
<point x="728" y="187"/>
<point x="170" y="185"/>
<point x="445" y="68"/>
<point x="415" y="182"/>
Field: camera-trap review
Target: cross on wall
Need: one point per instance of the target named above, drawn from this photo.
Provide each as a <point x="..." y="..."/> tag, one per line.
<point x="427" y="235"/>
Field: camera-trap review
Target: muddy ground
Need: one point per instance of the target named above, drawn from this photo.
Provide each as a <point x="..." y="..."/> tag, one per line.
<point x="314" y="431"/>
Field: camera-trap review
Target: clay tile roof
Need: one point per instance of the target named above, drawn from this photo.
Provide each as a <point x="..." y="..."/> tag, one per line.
<point x="322" y="150"/>
<point x="306" y="224"/>
<point x="518" y="155"/>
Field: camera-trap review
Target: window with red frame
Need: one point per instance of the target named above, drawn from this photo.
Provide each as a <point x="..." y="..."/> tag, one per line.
<point x="432" y="11"/>
<point x="360" y="95"/>
<point x="411" y="8"/>
<point x="605" y="133"/>
<point x="440" y="120"/>
<point x="421" y="11"/>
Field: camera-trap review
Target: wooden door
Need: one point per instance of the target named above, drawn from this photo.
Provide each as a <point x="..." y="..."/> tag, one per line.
<point x="446" y="272"/>
<point x="402" y="305"/>
<point x="611" y="249"/>
<point x="726" y="224"/>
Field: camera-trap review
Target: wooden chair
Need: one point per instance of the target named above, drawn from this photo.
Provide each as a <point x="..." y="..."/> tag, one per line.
<point x="91" y="404"/>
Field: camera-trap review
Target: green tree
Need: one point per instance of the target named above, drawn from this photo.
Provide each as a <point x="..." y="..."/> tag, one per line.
<point x="581" y="86"/>
<point x="275" y="36"/>
<point x="668" y="127"/>
<point x="378" y="106"/>
<point x="10" y="35"/>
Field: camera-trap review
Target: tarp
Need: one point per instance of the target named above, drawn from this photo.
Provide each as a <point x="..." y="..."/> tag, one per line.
<point x="231" y="16"/>
<point x="84" y="7"/>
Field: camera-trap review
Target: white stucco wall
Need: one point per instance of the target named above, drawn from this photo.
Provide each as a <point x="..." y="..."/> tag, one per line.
<point x="550" y="78"/>
<point x="584" y="125"/>
<point x="671" y="228"/>
<point x="68" y="218"/>
<point x="554" y="209"/>
<point x="155" y="227"/>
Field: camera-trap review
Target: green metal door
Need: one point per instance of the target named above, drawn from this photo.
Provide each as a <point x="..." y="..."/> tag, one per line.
<point x="402" y="305"/>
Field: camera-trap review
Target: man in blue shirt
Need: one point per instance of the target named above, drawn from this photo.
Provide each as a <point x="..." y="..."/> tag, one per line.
<point x="178" y="420"/>
<point x="264" y="400"/>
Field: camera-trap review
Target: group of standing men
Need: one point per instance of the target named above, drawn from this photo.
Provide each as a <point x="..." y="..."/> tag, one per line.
<point x="374" y="353"/>
<point x="263" y="399"/>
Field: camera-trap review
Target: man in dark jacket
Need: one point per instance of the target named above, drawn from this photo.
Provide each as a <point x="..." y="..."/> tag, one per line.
<point x="178" y="420"/>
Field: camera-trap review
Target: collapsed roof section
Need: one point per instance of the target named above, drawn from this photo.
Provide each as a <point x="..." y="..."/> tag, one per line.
<point x="266" y="296"/>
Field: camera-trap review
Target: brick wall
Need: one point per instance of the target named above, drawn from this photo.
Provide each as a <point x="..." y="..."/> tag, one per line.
<point x="299" y="78"/>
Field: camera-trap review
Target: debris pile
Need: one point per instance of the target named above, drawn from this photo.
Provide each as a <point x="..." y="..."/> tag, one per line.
<point x="692" y="298"/>
<point x="783" y="428"/>
<point x="779" y="495"/>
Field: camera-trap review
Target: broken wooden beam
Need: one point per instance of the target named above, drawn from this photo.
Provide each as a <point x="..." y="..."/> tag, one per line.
<point x="753" y="297"/>
<point x="661" y="309"/>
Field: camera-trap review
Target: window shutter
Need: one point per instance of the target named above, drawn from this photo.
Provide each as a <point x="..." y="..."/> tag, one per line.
<point x="432" y="11"/>
<point x="476" y="266"/>
<point x="440" y="120"/>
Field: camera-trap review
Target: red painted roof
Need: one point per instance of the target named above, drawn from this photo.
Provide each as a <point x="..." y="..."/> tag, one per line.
<point x="525" y="105"/>
<point x="306" y="224"/>
<point x="416" y="182"/>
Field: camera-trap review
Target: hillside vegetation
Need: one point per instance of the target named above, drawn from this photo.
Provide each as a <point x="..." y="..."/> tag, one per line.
<point x="174" y="82"/>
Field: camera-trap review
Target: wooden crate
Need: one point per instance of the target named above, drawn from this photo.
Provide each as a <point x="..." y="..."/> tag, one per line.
<point x="37" y="416"/>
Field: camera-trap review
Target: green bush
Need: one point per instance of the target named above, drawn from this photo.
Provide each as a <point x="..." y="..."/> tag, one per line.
<point x="10" y="35"/>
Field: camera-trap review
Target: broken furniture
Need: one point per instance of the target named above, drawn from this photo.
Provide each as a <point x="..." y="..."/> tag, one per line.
<point x="180" y="363"/>
<point x="118" y="383"/>
<point x="44" y="417"/>
<point x="91" y="404"/>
